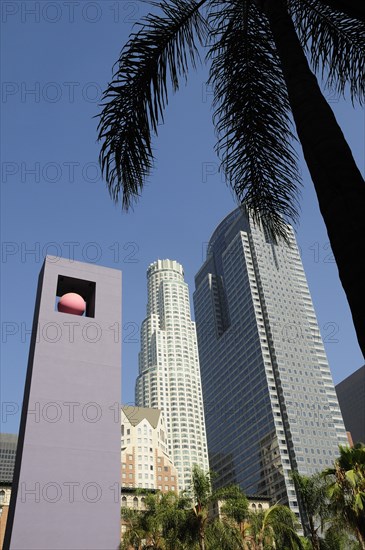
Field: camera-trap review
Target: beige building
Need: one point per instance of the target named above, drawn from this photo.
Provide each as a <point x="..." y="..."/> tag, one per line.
<point x="5" y="493"/>
<point x="145" y="459"/>
<point x="258" y="502"/>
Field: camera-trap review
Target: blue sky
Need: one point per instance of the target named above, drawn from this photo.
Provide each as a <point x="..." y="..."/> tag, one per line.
<point x="56" y="59"/>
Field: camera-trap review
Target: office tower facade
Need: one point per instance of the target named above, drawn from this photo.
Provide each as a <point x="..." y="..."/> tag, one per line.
<point x="169" y="373"/>
<point x="269" y="399"/>
<point x="5" y="495"/>
<point x="8" y="445"/>
<point x="145" y="460"/>
<point x="351" y="397"/>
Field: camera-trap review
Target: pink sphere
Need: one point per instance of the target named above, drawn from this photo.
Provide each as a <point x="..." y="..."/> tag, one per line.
<point x="72" y="303"/>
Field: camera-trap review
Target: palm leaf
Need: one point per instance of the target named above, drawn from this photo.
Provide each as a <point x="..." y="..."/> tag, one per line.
<point x="252" y="115"/>
<point x="352" y="8"/>
<point x="359" y="502"/>
<point x="156" y="56"/>
<point x="351" y="477"/>
<point x="335" y="44"/>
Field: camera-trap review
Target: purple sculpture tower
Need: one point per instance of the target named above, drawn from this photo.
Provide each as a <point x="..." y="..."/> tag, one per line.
<point x="66" y="492"/>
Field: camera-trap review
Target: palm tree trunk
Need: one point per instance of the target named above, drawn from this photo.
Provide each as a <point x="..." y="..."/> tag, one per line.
<point x="201" y="541"/>
<point x="360" y="538"/>
<point x="314" y="536"/>
<point x="338" y="182"/>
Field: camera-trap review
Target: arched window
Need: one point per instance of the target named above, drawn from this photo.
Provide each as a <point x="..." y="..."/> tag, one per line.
<point x="2" y="496"/>
<point x="143" y="503"/>
<point x="253" y="506"/>
<point x="135" y="502"/>
<point x="124" y="502"/>
<point x="260" y="506"/>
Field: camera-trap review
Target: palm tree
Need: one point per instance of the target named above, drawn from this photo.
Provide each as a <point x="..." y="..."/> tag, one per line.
<point x="260" y="75"/>
<point x="160" y="526"/>
<point x="347" y="489"/>
<point x="204" y="528"/>
<point x="275" y="527"/>
<point x="235" y="506"/>
<point x="171" y="522"/>
<point x="313" y="497"/>
<point x="337" y="537"/>
<point x="201" y="494"/>
<point x="134" y="534"/>
<point x="223" y="535"/>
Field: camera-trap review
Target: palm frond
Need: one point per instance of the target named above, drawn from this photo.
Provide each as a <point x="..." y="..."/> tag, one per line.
<point x="353" y="8"/>
<point x="252" y="115"/>
<point x="335" y="44"/>
<point x="155" y="57"/>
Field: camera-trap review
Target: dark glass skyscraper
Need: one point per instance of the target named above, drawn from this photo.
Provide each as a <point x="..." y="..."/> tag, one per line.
<point x="269" y="399"/>
<point x="351" y="397"/>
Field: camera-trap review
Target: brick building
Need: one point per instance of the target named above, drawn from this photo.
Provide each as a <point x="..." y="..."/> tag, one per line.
<point x="145" y="460"/>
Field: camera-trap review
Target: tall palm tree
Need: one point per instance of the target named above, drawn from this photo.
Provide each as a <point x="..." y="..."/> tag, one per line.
<point x="235" y="505"/>
<point x="313" y="497"/>
<point x="201" y="494"/>
<point x="273" y="528"/>
<point x="260" y="74"/>
<point x="347" y="489"/>
<point x="205" y="529"/>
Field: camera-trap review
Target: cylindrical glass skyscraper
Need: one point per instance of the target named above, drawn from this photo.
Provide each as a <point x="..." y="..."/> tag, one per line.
<point x="169" y="373"/>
